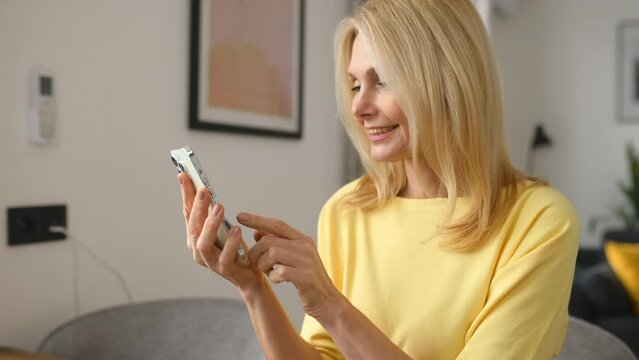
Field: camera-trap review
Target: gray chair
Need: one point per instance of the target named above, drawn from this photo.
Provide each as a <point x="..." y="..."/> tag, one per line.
<point x="585" y="341"/>
<point x="167" y="329"/>
<point x="221" y="329"/>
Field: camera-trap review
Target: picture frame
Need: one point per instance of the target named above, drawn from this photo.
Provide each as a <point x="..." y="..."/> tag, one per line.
<point x="246" y="66"/>
<point x="628" y="71"/>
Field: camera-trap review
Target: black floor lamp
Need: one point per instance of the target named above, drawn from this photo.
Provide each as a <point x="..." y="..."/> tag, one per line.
<point x="540" y="140"/>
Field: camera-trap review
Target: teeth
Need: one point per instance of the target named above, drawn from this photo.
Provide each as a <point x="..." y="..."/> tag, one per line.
<point x="381" y="130"/>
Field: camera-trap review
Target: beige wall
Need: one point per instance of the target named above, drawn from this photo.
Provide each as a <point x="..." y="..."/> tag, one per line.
<point x="120" y="69"/>
<point x="558" y="67"/>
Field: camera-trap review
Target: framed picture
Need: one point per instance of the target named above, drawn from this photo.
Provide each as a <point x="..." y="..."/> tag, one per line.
<point x="628" y="71"/>
<point x="245" y="71"/>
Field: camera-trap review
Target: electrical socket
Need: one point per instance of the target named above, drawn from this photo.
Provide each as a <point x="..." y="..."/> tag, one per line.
<point x="27" y="225"/>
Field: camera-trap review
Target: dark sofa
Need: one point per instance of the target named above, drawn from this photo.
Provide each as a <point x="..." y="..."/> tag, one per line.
<point x="600" y="298"/>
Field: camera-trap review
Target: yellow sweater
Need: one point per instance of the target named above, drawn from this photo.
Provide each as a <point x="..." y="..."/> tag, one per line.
<point x="508" y="299"/>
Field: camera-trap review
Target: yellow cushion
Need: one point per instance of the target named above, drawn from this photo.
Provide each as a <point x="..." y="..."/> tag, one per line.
<point x="624" y="261"/>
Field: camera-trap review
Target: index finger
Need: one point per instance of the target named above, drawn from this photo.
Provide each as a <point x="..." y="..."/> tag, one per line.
<point x="188" y="190"/>
<point x="270" y="225"/>
<point x="188" y="196"/>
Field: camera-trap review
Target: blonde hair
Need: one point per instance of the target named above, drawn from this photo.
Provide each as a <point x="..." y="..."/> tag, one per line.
<point x="437" y="60"/>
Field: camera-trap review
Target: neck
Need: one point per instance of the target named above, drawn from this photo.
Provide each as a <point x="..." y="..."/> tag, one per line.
<point x="413" y="190"/>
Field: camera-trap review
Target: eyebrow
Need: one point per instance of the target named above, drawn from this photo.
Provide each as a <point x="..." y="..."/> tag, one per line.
<point x="370" y="72"/>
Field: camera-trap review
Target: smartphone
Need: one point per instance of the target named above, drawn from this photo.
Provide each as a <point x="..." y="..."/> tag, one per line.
<point x="186" y="161"/>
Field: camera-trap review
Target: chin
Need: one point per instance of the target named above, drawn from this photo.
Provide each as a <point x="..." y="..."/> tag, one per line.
<point x="387" y="156"/>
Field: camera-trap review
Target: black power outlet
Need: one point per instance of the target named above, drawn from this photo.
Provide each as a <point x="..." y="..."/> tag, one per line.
<point x="33" y="224"/>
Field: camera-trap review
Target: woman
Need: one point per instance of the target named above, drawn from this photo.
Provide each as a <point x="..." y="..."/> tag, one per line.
<point x="442" y="249"/>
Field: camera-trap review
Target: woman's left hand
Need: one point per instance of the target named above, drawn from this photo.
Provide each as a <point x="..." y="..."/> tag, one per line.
<point x="286" y="254"/>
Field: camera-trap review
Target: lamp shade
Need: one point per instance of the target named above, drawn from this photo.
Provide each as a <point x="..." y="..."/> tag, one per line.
<point x="540" y="139"/>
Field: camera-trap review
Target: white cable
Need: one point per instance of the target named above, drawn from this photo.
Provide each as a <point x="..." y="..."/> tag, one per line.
<point x="76" y="278"/>
<point x="76" y="266"/>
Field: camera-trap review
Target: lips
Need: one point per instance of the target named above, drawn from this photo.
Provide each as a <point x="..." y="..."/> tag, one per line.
<point x="376" y="134"/>
<point x="381" y="130"/>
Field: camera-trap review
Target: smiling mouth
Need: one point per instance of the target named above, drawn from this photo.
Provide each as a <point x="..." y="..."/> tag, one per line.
<point x="381" y="130"/>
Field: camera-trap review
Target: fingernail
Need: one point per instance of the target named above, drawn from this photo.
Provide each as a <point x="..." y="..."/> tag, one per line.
<point x="217" y="210"/>
<point x="201" y="194"/>
<point x="242" y="217"/>
<point x="181" y="181"/>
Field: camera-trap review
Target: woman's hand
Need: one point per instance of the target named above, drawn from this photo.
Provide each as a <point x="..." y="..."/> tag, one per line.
<point x="286" y="254"/>
<point x="201" y="235"/>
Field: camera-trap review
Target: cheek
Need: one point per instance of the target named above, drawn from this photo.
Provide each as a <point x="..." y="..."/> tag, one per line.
<point x="393" y="111"/>
<point x="396" y="115"/>
<point x="403" y="125"/>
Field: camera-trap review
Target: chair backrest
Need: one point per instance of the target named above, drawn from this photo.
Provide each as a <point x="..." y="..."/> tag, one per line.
<point x="167" y="329"/>
<point x="585" y="341"/>
<point x="624" y="236"/>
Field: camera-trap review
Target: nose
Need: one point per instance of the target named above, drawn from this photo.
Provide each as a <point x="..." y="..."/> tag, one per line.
<point x="363" y="105"/>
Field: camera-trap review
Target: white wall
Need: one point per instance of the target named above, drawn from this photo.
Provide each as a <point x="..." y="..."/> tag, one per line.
<point x="120" y="68"/>
<point x="558" y="68"/>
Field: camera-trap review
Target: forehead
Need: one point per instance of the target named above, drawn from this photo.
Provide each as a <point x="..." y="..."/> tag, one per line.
<point x="360" y="63"/>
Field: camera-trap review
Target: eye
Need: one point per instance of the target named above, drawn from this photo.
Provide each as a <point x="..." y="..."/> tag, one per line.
<point x="382" y="85"/>
<point x="355" y="88"/>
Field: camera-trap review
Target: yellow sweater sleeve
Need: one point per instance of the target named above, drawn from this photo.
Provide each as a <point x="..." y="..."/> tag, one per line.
<point x="525" y="314"/>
